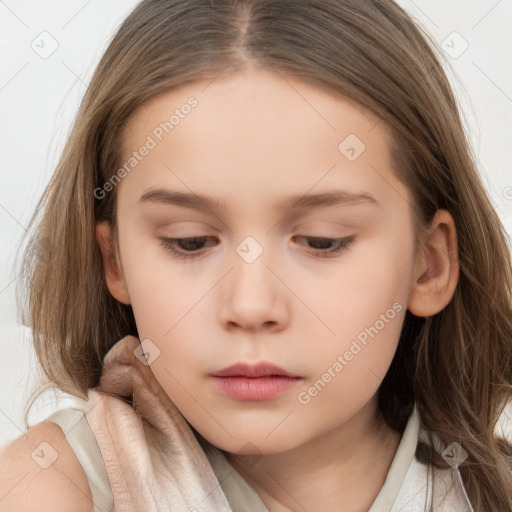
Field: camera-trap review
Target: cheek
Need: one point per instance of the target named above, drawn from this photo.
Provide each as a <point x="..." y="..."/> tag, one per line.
<point x="368" y="288"/>
<point x="159" y="293"/>
<point x="365" y="312"/>
<point x="166" y="312"/>
<point x="166" y="305"/>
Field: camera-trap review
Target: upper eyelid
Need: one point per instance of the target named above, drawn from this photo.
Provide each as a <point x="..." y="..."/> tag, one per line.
<point x="302" y="221"/>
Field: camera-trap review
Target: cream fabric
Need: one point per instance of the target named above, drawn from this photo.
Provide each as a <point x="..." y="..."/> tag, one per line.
<point x="406" y="488"/>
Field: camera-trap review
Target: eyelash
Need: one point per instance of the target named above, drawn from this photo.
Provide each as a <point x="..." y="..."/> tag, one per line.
<point x="344" y="244"/>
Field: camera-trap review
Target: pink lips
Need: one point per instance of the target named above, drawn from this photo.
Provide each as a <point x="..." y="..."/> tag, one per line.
<point x="262" y="369"/>
<point x="261" y="381"/>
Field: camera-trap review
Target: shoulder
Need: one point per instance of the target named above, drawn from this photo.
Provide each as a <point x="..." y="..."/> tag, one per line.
<point x="40" y="471"/>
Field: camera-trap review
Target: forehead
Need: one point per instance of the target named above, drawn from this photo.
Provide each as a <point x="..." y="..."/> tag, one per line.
<point x="257" y="134"/>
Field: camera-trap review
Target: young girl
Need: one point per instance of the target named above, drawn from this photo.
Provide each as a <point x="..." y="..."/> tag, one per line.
<point x="268" y="266"/>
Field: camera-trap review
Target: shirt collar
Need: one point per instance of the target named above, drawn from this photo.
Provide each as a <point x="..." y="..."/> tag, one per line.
<point x="399" y="466"/>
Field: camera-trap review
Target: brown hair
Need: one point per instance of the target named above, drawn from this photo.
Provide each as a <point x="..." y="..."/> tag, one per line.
<point x="457" y="364"/>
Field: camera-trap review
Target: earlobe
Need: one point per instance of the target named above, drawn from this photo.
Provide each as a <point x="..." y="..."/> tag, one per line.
<point x="113" y="272"/>
<point x="436" y="272"/>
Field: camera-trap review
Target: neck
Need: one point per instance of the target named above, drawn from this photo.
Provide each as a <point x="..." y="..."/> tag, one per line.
<point x="343" y="469"/>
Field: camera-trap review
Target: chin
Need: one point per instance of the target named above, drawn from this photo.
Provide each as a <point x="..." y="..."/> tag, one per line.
<point x="254" y="446"/>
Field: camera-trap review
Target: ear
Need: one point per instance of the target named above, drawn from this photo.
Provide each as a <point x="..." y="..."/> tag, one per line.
<point x="436" y="269"/>
<point x="113" y="272"/>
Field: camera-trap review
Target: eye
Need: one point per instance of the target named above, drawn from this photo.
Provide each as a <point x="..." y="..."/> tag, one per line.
<point x="188" y="244"/>
<point x="324" y="247"/>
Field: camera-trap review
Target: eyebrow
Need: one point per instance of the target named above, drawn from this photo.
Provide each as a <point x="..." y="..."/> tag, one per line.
<point x="292" y="203"/>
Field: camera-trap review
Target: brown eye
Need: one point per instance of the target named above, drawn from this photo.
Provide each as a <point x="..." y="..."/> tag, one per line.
<point x="324" y="247"/>
<point x="195" y="244"/>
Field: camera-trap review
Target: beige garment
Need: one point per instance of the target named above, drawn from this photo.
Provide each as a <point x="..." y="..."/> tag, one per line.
<point x="145" y="456"/>
<point x="106" y="474"/>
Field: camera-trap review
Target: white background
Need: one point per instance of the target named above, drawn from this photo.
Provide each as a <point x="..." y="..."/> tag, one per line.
<point x="39" y="97"/>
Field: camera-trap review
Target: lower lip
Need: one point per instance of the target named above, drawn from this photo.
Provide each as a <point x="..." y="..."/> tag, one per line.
<point x="255" y="388"/>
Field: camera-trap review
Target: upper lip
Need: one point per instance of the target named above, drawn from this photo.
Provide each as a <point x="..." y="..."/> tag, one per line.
<point x="261" y="369"/>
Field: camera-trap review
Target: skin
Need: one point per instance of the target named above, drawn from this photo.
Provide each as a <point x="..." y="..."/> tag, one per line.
<point x="253" y="140"/>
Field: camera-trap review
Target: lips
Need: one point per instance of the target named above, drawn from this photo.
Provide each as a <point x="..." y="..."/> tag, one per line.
<point x="261" y="369"/>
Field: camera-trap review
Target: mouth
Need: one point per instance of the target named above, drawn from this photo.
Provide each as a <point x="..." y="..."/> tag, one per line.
<point x="261" y="381"/>
<point x="261" y="369"/>
<point x="255" y="388"/>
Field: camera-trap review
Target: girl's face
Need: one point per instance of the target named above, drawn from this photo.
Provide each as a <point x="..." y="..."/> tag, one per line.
<point x="264" y="284"/>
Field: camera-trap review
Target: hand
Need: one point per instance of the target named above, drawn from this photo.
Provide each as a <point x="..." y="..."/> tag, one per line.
<point x="153" y="458"/>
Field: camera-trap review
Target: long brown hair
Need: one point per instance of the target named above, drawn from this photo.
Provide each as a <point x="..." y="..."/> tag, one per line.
<point x="456" y="365"/>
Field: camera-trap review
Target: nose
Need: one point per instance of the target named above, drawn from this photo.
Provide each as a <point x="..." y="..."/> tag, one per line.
<point x="253" y="298"/>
